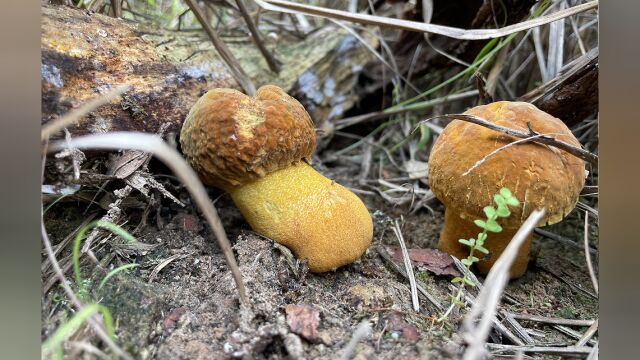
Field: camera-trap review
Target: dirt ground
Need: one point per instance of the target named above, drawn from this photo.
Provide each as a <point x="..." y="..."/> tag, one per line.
<point x="189" y="309"/>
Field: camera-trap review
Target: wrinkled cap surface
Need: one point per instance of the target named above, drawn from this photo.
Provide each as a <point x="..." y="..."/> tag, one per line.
<point x="538" y="175"/>
<point x="231" y="139"/>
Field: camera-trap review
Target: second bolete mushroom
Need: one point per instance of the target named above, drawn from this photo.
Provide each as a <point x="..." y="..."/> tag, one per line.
<point x="259" y="150"/>
<point x="538" y="175"/>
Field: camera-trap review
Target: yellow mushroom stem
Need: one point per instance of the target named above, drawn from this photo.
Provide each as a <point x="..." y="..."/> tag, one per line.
<point x="456" y="228"/>
<point x="318" y="219"/>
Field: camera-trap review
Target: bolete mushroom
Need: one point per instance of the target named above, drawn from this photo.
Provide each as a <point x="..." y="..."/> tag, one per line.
<point x="259" y="150"/>
<point x="538" y="175"/>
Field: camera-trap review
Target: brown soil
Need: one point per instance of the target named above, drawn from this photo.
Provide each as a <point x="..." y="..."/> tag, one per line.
<point x="190" y="309"/>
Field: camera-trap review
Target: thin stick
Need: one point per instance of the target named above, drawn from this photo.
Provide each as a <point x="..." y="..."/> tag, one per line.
<point x="588" y="334"/>
<point x="421" y="106"/>
<point x="242" y="77"/>
<point x="542" y="139"/>
<point x="116" y="6"/>
<point x="479" y="162"/>
<point x="556" y="321"/>
<point x="572" y="333"/>
<point x="168" y="155"/>
<point x="408" y="267"/>
<point x="401" y="271"/>
<point x="456" y="33"/>
<point x="592" y="273"/>
<point x="567" y="350"/>
<point x="593" y="355"/>
<point x="562" y="239"/>
<point x="76" y="115"/>
<point x="274" y="64"/>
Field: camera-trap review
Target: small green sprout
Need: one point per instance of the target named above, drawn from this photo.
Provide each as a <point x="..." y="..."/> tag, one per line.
<point x="503" y="199"/>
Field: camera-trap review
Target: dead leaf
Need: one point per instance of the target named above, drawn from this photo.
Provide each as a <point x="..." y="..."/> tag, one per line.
<point x="433" y="260"/>
<point x="303" y="320"/>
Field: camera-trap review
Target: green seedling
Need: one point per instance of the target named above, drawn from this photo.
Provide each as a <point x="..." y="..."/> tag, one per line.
<point x="503" y="199"/>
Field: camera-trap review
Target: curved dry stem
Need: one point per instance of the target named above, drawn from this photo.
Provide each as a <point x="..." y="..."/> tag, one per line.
<point x="154" y="145"/>
<point x="456" y="33"/>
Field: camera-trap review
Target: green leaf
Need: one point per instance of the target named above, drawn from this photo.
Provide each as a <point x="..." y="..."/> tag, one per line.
<point x="503" y="211"/>
<point x="506" y="193"/>
<point x="513" y="201"/>
<point x="482" y="237"/>
<point x="480" y="223"/>
<point x="482" y="249"/>
<point x="469" y="282"/>
<point x="493" y="226"/>
<point x="470" y="242"/>
<point x="456" y="280"/>
<point x="472" y="258"/>
<point x="490" y="211"/>
<point x="466" y="262"/>
<point x="499" y="200"/>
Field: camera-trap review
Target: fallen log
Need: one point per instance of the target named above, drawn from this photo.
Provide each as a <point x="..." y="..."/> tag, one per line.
<point x="87" y="54"/>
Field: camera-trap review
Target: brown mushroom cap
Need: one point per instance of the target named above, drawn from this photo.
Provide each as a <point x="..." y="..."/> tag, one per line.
<point x="231" y="139"/>
<point x="538" y="175"/>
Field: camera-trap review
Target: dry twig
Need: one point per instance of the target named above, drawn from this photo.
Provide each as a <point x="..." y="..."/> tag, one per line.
<point x="588" y="334"/>
<point x="385" y="256"/>
<point x="274" y="64"/>
<point x="408" y="267"/>
<point x="531" y="135"/>
<point x="550" y="320"/>
<point x="242" y="77"/>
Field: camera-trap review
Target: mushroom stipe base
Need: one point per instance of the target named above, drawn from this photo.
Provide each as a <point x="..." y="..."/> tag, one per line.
<point x="456" y="228"/>
<point x="318" y="219"/>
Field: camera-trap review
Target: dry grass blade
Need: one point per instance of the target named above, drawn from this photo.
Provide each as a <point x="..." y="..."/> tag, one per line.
<point x="592" y="273"/>
<point x="95" y="324"/>
<point x="274" y="64"/>
<point x="432" y="299"/>
<point x="588" y="334"/>
<point x="531" y="135"/>
<point x="155" y="145"/>
<point x="241" y="76"/>
<point x="550" y="320"/>
<point x="456" y="33"/>
<point x="550" y="350"/>
<point x="408" y="267"/>
<point x="76" y="115"/>
<point x="564" y="240"/>
<point x="593" y="355"/>
<point x="162" y="265"/>
<point x="362" y="331"/>
<point x="487" y="301"/>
